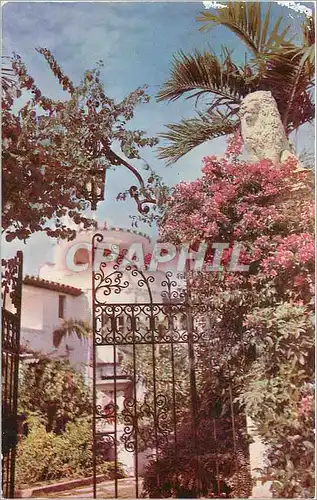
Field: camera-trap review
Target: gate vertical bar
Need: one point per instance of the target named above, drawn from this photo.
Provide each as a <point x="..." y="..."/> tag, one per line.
<point x="16" y="358"/>
<point x="152" y="326"/>
<point x="11" y="328"/>
<point x="217" y="462"/>
<point x="115" y="417"/>
<point x="171" y="333"/>
<point x="94" y="392"/>
<point x="154" y="385"/>
<point x="174" y="399"/>
<point x="193" y="385"/>
<point x="136" y="458"/>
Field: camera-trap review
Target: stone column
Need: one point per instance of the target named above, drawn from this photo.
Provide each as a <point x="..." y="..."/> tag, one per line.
<point x="264" y="138"/>
<point x="257" y="461"/>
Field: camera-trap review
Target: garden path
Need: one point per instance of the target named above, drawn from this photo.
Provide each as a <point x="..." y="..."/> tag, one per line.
<point x="126" y="489"/>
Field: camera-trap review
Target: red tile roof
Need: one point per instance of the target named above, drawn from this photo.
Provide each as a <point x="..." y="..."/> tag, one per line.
<point x="52" y="285"/>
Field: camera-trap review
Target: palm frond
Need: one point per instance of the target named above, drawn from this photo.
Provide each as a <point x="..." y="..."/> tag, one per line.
<point x="190" y="133"/>
<point x="245" y="20"/>
<point x="71" y="327"/>
<point x="303" y="54"/>
<point x="289" y="73"/>
<point x="298" y="88"/>
<point x="309" y="31"/>
<point x="307" y="51"/>
<point x="203" y="73"/>
<point x="8" y="80"/>
<point x="307" y="159"/>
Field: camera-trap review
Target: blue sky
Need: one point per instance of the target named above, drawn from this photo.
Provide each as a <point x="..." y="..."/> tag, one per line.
<point x="136" y="41"/>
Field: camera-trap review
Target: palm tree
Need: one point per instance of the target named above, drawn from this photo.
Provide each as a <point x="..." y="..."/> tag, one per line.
<point x="275" y="63"/>
<point x="81" y="329"/>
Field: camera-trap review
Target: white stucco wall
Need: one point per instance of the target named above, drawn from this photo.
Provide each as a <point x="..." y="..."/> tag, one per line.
<point x="39" y="319"/>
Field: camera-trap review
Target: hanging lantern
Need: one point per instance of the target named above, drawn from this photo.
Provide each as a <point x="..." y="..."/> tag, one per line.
<point x="93" y="190"/>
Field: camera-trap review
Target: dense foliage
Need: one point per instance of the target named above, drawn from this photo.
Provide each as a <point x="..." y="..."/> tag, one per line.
<point x="57" y="437"/>
<point x="53" y="148"/>
<point x="217" y="463"/>
<point x="259" y="321"/>
<point x="54" y="391"/>
<point x="215" y="473"/>
<point x="280" y="397"/>
<point x="210" y="457"/>
<point x="44" y="456"/>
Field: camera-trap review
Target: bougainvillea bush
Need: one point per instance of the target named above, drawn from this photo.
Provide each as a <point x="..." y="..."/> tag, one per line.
<point x="261" y="319"/>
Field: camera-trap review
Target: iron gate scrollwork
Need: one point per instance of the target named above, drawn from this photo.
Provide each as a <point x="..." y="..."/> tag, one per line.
<point x="144" y="373"/>
<point x="11" y="295"/>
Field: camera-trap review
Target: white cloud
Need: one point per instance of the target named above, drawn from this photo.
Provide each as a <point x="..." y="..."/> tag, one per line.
<point x="297" y="7"/>
<point x="213" y="5"/>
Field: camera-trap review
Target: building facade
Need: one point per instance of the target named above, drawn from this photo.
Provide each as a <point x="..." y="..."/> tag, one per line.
<point x="45" y="306"/>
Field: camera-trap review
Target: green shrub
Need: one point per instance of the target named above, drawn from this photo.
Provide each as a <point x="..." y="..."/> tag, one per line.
<point x="221" y="470"/>
<point x="279" y="396"/>
<point x="34" y="453"/>
<point x="44" y="456"/>
<point x="56" y="391"/>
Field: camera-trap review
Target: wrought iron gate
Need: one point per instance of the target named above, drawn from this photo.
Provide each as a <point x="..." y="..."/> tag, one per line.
<point x="145" y="397"/>
<point x="11" y="321"/>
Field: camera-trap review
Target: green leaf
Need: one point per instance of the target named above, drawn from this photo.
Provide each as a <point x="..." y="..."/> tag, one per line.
<point x="245" y="20"/>
<point x="188" y="134"/>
